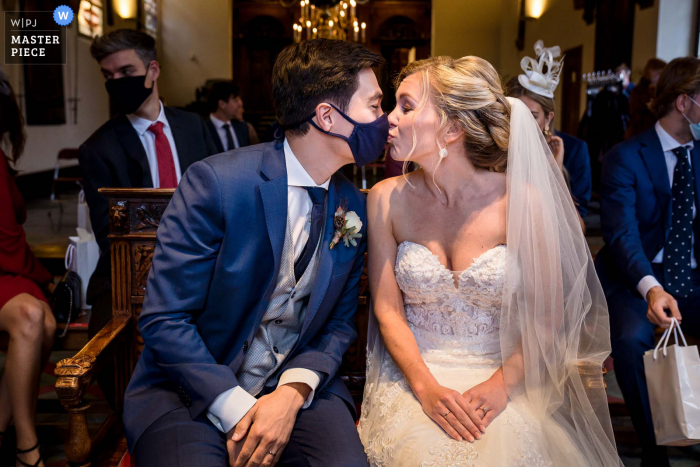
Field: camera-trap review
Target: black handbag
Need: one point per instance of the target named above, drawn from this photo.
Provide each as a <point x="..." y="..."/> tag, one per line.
<point x="65" y="301"/>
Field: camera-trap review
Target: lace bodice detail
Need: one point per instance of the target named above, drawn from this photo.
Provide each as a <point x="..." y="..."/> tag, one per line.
<point x="452" y="312"/>
<point x="456" y="322"/>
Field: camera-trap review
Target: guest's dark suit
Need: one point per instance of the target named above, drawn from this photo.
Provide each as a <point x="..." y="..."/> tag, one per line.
<point x="240" y="128"/>
<point x="578" y="163"/>
<point x="636" y="207"/>
<point x="215" y="267"/>
<point x="114" y="157"/>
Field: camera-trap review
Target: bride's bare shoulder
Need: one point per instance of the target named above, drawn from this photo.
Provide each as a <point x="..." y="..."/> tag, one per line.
<point x="388" y="190"/>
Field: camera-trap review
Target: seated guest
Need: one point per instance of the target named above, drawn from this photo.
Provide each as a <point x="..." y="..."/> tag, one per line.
<point x="650" y="191"/>
<point x="225" y="123"/>
<point x="641" y="118"/>
<point x="24" y="312"/>
<point x="252" y="133"/>
<point x="146" y="145"/>
<point x="538" y="95"/>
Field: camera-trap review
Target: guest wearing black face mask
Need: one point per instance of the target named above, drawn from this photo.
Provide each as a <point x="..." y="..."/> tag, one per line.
<point x="146" y="145"/>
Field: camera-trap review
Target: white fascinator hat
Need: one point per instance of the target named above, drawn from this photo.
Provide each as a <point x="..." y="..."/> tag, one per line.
<point x="542" y="75"/>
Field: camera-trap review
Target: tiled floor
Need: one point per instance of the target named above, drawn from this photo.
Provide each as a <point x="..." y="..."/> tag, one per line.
<point x="55" y="228"/>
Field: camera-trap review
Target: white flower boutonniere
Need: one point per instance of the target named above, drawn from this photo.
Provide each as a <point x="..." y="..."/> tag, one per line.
<point x="347" y="226"/>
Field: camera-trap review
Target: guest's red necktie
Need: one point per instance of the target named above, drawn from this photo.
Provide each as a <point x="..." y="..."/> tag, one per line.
<point x="166" y="163"/>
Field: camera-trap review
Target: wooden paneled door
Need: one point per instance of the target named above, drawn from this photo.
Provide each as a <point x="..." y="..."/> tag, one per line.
<point x="571" y="90"/>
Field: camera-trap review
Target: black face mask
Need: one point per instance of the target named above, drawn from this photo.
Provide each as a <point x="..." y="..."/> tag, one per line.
<point x="128" y="93"/>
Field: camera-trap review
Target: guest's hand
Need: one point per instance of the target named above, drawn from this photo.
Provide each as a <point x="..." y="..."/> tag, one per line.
<point x="491" y="395"/>
<point x="461" y="422"/>
<point x="556" y="145"/>
<point x="266" y="428"/>
<point x="659" y="301"/>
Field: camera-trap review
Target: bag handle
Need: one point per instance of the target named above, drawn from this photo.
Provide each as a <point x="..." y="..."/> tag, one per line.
<point x="676" y="328"/>
<point x="81" y="197"/>
<point x="70" y="256"/>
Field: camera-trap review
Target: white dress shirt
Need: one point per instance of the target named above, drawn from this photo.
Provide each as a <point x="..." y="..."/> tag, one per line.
<point x="148" y="140"/>
<point x="230" y="406"/>
<point x="668" y="144"/>
<point x="219" y="125"/>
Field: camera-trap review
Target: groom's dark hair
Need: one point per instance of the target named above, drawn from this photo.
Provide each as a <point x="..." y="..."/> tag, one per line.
<point x="311" y="72"/>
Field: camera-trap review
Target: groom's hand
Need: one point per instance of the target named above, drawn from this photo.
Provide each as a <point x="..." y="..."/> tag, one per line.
<point x="266" y="428"/>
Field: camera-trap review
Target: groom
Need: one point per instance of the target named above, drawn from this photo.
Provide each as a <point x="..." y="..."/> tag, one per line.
<point x="249" y="310"/>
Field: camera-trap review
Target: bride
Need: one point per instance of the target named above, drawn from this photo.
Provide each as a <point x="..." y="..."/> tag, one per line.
<point x="490" y="326"/>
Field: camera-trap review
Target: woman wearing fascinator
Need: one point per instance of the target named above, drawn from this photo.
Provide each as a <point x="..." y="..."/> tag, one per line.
<point x="489" y="325"/>
<point x="535" y="88"/>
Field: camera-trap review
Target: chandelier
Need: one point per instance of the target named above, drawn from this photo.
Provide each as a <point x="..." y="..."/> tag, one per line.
<point x="329" y="19"/>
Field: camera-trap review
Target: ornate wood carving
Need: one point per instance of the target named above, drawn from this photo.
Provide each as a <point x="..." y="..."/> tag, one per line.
<point x="146" y="216"/>
<point x="78" y="366"/>
<point x="118" y="216"/>
<point x="134" y="215"/>
<point x="121" y="277"/>
<point x="143" y="258"/>
<point x="73" y="377"/>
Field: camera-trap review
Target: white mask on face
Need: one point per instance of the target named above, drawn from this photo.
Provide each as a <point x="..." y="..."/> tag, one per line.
<point x="694" y="127"/>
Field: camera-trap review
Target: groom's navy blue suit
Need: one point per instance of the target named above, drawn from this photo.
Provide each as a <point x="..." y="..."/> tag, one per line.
<point x="636" y="208"/>
<point x="215" y="266"/>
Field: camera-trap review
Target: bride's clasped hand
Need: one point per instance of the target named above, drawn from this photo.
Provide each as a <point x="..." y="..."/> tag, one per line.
<point x="467" y="415"/>
<point x="451" y="410"/>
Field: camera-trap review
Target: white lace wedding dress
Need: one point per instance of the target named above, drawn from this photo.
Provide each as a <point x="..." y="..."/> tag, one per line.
<point x="455" y="320"/>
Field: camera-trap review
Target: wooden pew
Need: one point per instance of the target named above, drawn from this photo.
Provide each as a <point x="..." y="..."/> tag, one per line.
<point x="134" y="216"/>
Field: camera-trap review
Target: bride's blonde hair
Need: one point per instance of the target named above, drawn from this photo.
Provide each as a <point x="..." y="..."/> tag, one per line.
<point x="467" y="91"/>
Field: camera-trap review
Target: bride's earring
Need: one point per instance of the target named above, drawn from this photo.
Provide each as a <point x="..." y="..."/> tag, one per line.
<point x="443" y="152"/>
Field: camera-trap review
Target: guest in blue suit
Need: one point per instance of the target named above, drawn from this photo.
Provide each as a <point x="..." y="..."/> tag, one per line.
<point x="650" y="192"/>
<point x="255" y="282"/>
<point x="577" y="163"/>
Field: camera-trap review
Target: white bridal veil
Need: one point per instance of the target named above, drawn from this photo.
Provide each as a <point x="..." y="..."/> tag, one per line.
<point x="554" y="328"/>
<point x="554" y="319"/>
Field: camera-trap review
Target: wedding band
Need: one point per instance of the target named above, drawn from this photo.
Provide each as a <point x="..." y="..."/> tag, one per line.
<point x="270" y="452"/>
<point x="448" y="412"/>
<point x="484" y="408"/>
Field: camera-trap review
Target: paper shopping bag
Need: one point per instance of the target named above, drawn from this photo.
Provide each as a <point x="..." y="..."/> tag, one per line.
<point x="673" y="379"/>
<point x="83" y="213"/>
<point x="81" y="257"/>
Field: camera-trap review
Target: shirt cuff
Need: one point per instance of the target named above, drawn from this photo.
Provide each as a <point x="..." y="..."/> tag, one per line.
<point x="646" y="284"/>
<point x="229" y="408"/>
<point x="302" y="375"/>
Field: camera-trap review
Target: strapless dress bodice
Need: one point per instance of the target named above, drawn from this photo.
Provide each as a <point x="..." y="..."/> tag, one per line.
<point x="454" y="312"/>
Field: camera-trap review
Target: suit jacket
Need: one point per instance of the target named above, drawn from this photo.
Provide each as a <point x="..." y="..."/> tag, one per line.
<point x="240" y="128"/>
<point x="636" y="209"/>
<point x="215" y="266"/>
<point x="113" y="157"/>
<point x="578" y="164"/>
